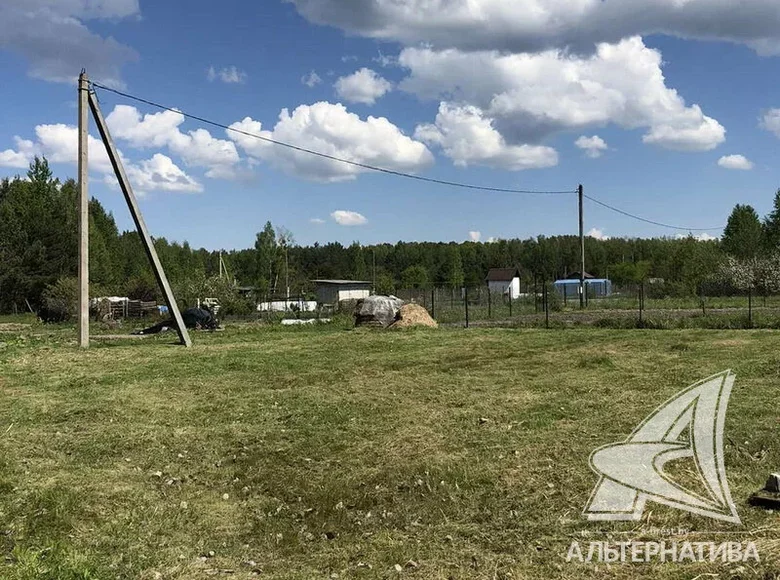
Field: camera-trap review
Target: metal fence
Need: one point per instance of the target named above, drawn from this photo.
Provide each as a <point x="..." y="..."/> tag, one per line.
<point x="630" y="306"/>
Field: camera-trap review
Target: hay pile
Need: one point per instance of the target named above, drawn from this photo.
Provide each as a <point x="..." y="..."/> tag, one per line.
<point x="413" y="315"/>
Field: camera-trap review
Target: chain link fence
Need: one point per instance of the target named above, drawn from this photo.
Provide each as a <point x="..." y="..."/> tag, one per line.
<point x="639" y="305"/>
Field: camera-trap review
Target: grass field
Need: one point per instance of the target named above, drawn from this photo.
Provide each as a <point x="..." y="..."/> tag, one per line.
<point x="335" y="453"/>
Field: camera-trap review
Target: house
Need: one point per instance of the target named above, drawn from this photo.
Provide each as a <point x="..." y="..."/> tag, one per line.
<point x="594" y="287"/>
<point x="335" y="291"/>
<point x="505" y="281"/>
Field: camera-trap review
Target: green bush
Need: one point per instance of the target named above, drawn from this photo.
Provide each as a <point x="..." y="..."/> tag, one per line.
<point x="142" y="288"/>
<point x="60" y="300"/>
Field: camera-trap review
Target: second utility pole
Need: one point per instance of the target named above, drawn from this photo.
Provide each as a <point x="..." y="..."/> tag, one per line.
<point x="582" y="251"/>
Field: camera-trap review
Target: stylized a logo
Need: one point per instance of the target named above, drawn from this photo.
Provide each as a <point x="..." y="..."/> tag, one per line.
<point x="689" y="425"/>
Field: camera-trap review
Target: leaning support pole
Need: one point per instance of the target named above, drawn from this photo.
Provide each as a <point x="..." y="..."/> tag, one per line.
<point x="146" y="240"/>
<point x="83" y="211"/>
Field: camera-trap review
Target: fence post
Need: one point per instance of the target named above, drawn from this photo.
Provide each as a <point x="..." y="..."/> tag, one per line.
<point x="466" y="300"/>
<point x="536" y="298"/>
<point x="433" y="303"/>
<point x="750" y="307"/>
<point x="546" y="306"/>
<point x="641" y="304"/>
<point x="490" y="306"/>
<point x="510" y="305"/>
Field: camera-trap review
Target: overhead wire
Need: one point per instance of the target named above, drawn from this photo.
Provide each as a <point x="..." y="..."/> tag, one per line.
<point x="386" y="170"/>
<point x="328" y="156"/>
<point x="646" y="220"/>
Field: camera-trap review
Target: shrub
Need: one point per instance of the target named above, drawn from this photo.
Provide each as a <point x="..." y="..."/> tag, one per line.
<point x="60" y="301"/>
<point x="142" y="288"/>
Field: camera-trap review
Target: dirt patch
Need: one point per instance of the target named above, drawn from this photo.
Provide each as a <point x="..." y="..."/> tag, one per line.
<point x="414" y="315"/>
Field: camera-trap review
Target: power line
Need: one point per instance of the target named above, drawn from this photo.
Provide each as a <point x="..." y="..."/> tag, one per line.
<point x="386" y="170"/>
<point x="327" y="156"/>
<point x="649" y="221"/>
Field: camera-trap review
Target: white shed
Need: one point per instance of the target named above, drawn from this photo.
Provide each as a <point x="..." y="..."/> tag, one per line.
<point x="505" y="281"/>
<point x="335" y="291"/>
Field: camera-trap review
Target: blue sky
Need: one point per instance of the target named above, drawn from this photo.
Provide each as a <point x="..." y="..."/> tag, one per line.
<point x="674" y="108"/>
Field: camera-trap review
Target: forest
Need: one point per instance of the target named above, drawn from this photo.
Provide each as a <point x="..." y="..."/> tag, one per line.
<point x="38" y="252"/>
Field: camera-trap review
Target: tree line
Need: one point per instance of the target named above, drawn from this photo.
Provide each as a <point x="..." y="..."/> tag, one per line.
<point x="39" y="247"/>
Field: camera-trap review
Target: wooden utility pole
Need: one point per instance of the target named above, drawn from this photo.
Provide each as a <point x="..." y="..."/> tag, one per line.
<point x="140" y="225"/>
<point x="83" y="162"/>
<point x="582" y="249"/>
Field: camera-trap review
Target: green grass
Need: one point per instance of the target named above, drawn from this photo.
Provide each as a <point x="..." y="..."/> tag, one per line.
<point x="325" y="452"/>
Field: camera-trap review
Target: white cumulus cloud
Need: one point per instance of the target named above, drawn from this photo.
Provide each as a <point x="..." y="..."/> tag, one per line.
<point x="160" y="173"/>
<point x="771" y="121"/>
<point x="534" y="25"/>
<point x="331" y="129"/>
<point x="475" y="236"/>
<point x="348" y="218"/>
<point x="53" y="36"/>
<point x="597" y="234"/>
<point x="20" y="157"/>
<point x="317" y="221"/>
<point x="228" y="75"/>
<point x="594" y="147"/>
<point x="363" y="86"/>
<point x="59" y="144"/>
<point x="156" y="130"/>
<point x="530" y="96"/>
<point x="468" y="137"/>
<point x="735" y="162"/>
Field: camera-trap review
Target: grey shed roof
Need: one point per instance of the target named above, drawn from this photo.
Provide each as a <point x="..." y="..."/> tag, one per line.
<point x="502" y="274"/>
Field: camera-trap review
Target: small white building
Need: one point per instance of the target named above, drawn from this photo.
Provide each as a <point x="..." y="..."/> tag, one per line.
<point x="335" y="291"/>
<point x="505" y="281"/>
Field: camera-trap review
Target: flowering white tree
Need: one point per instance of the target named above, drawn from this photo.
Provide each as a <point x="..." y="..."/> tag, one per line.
<point x="752" y="274"/>
<point x="740" y="273"/>
<point x="768" y="274"/>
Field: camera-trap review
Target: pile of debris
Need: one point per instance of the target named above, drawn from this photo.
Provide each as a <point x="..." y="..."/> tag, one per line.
<point x="389" y="311"/>
<point x="378" y="311"/>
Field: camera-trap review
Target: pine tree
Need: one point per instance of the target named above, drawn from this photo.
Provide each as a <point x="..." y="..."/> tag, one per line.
<point x="743" y="235"/>
<point x="772" y="226"/>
